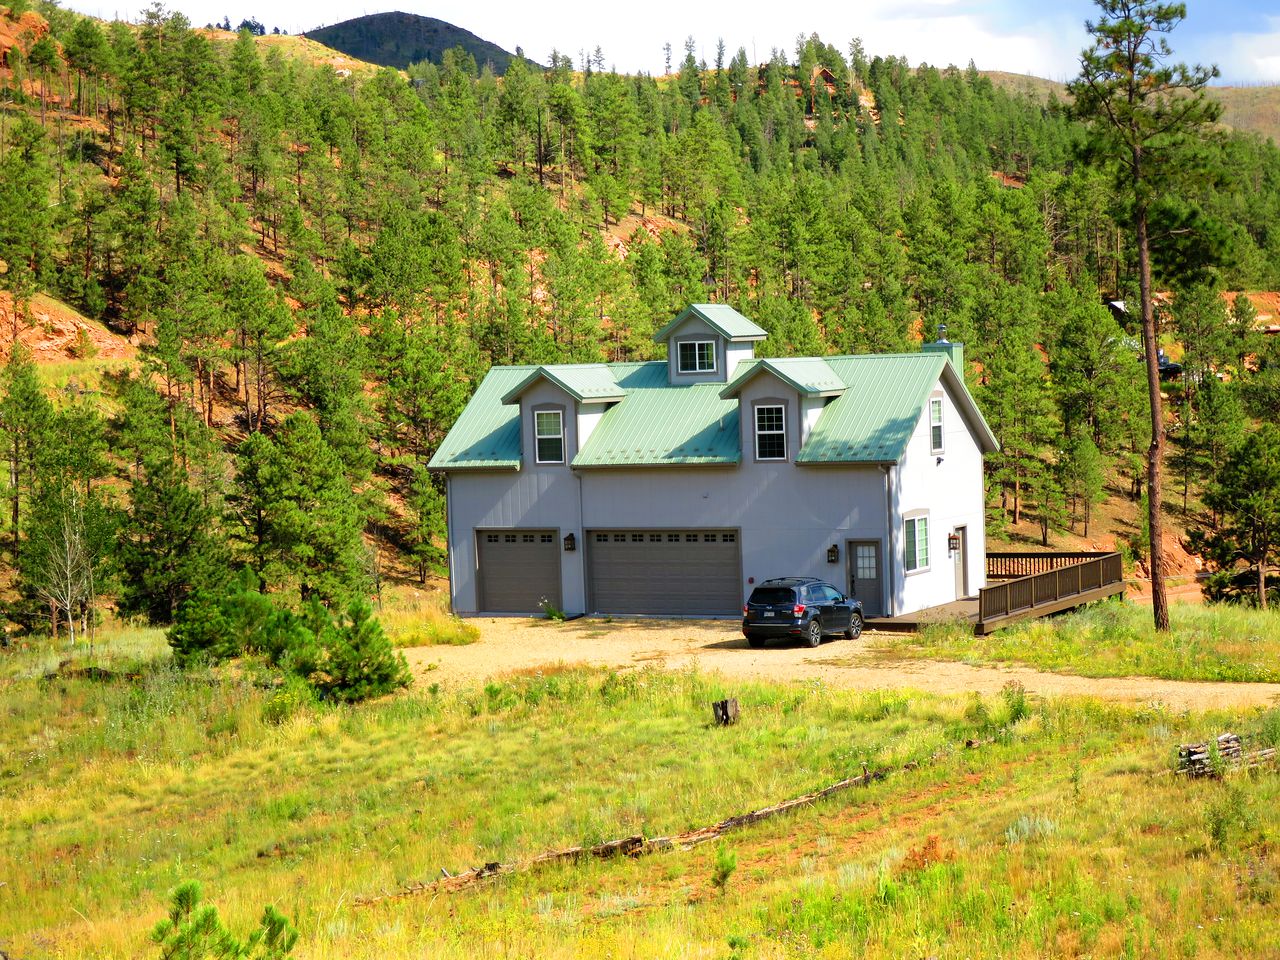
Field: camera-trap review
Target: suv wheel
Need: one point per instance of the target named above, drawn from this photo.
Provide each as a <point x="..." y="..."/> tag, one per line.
<point x="755" y="641"/>
<point x="855" y="628"/>
<point x="814" y="633"/>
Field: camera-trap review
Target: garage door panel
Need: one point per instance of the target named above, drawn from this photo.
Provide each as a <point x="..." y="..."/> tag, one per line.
<point x="517" y="569"/>
<point x="664" y="572"/>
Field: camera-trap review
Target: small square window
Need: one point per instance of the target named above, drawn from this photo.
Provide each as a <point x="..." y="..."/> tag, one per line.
<point x="619" y="538"/>
<point x="602" y="538"/>
<point x="655" y="538"/>
<point x="637" y="538"/>
<point x="673" y="538"/>
<point x="546" y="538"/>
<point x="709" y="538"/>
<point x="696" y="356"/>
<point x="491" y="538"/>
<point x="690" y="538"/>
<point x="509" y="538"/>
<point x="526" y="538"/>
<point x="730" y="538"/>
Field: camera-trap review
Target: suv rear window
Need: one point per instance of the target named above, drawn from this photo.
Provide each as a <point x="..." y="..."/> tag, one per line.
<point x="772" y="595"/>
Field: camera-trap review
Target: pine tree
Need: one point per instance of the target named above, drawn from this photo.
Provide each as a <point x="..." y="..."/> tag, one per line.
<point x="1142" y="113"/>
<point x="296" y="512"/>
<point x="1246" y="494"/>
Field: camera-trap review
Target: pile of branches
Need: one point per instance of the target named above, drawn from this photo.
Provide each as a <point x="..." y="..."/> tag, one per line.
<point x="1215" y="757"/>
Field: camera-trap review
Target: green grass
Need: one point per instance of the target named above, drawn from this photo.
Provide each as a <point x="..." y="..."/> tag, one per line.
<point x="1062" y="837"/>
<point x="1115" y="639"/>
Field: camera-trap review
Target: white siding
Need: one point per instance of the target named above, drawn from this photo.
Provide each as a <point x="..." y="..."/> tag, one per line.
<point x="952" y="495"/>
<point x="735" y="353"/>
<point x="589" y="416"/>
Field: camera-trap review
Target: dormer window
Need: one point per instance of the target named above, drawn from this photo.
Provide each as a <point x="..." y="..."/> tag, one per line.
<point x="548" y="428"/>
<point x="771" y="432"/>
<point x="696" y="356"/>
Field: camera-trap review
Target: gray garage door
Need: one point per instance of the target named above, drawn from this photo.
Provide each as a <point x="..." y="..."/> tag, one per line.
<point x="686" y="572"/>
<point x="518" y="568"/>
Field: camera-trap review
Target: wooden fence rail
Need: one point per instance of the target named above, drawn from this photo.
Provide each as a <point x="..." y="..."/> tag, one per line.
<point x="1053" y="586"/>
<point x="1009" y="566"/>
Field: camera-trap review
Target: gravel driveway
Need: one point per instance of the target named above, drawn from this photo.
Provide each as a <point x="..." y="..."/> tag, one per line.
<point x="509" y="645"/>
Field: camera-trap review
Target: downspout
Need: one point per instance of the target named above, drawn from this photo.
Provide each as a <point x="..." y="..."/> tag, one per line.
<point x="891" y="556"/>
<point x="448" y="528"/>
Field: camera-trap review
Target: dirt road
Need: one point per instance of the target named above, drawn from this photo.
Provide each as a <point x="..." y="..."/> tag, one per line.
<point x="508" y="645"/>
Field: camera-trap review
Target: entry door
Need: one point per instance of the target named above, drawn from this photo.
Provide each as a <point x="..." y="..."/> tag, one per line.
<point x="866" y="577"/>
<point x="961" y="560"/>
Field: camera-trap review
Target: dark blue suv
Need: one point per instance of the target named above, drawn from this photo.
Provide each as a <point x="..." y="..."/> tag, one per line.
<point x="801" y="607"/>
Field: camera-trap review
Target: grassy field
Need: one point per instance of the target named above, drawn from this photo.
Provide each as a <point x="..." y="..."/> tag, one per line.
<point x="1115" y="639"/>
<point x="1063" y="836"/>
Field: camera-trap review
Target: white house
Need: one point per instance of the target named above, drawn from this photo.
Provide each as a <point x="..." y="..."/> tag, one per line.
<point x="670" y="487"/>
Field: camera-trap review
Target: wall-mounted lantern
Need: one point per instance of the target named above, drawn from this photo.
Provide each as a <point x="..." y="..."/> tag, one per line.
<point x="833" y="553"/>
<point x="953" y="542"/>
<point x="570" y="543"/>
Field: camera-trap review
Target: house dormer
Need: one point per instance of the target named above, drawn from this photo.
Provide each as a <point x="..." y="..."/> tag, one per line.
<point x="560" y="405"/>
<point x="706" y="343"/>
<point x="779" y="402"/>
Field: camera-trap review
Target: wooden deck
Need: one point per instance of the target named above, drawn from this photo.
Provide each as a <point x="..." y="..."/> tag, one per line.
<point x="1022" y="586"/>
<point x="956" y="611"/>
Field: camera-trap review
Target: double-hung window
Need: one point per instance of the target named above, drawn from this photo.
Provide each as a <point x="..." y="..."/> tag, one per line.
<point x="915" y="538"/>
<point x="548" y="429"/>
<point x="696" y="356"/>
<point x="935" y="425"/>
<point x="771" y="432"/>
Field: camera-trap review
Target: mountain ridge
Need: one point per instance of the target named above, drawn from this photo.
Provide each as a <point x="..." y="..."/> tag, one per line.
<point x="397" y="39"/>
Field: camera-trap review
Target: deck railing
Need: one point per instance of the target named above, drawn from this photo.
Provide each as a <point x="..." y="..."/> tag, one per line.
<point x="1008" y="566"/>
<point x="1080" y="574"/>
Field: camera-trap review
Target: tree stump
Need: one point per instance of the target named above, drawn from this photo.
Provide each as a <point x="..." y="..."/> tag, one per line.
<point x="725" y="711"/>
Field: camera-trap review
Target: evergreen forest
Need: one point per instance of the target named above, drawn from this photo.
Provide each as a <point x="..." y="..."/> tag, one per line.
<point x="317" y="266"/>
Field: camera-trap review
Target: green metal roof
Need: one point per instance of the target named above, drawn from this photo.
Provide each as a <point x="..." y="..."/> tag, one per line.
<point x="874" y="418"/>
<point x="582" y="381"/>
<point x="656" y="424"/>
<point x="665" y="426"/>
<point x="720" y="317"/>
<point x="811" y="376"/>
<point x="487" y="434"/>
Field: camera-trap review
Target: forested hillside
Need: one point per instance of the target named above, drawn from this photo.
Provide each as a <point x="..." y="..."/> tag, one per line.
<point x="399" y="39"/>
<point x="317" y="268"/>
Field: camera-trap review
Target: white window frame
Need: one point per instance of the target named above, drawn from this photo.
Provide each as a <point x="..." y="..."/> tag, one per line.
<point x="782" y="410"/>
<point x="697" y="359"/>
<point x="935" y="423"/>
<point x="538" y="435"/>
<point x="913" y="542"/>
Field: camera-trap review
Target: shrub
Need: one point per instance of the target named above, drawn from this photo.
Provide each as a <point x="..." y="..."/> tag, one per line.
<point x="348" y="658"/>
<point x="722" y="868"/>
<point x="195" y="932"/>
<point x="83" y="348"/>
<point x="1015" y="701"/>
<point x="357" y="659"/>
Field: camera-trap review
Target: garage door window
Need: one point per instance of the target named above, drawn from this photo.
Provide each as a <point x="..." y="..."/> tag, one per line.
<point x="549" y="428"/>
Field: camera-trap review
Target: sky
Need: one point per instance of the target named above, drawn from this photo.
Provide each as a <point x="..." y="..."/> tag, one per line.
<point x="1040" y="37"/>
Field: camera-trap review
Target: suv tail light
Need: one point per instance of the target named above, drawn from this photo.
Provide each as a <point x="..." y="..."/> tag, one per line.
<point x="797" y="610"/>
<point x="745" y="610"/>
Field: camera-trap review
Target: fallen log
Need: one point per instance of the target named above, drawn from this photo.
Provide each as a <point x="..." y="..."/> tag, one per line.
<point x="634" y="846"/>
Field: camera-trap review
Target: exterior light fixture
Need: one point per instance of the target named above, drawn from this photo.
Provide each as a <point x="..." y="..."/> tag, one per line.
<point x="570" y="543"/>
<point x="953" y="542"/>
<point x="833" y="553"/>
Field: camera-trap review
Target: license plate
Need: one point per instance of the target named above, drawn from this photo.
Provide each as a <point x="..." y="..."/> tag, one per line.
<point x="769" y="613"/>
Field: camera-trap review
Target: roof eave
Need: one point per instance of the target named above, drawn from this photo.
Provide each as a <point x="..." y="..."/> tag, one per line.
<point x="514" y="394"/>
